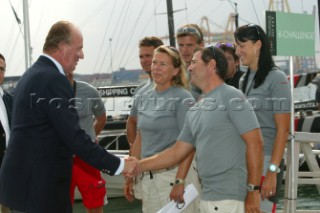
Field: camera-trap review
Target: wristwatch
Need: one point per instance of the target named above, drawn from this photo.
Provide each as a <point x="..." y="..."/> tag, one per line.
<point x="274" y="168"/>
<point x="178" y="182"/>
<point x="251" y="187"/>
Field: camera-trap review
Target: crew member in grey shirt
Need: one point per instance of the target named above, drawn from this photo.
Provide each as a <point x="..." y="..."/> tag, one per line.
<point x="225" y="133"/>
<point x="146" y="49"/>
<point x="161" y="115"/>
<point x="92" y="119"/>
<point x="267" y="89"/>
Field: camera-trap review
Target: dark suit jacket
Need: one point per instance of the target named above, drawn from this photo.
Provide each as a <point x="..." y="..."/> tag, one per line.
<point x="7" y="99"/>
<point x="36" y="170"/>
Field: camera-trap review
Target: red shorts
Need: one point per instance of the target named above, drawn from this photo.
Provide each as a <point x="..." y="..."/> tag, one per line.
<point x="89" y="182"/>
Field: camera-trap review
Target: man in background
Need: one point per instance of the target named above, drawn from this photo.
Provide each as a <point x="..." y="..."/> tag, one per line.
<point x="146" y="47"/>
<point x="5" y="117"/>
<point x="234" y="73"/>
<point x="92" y="118"/>
<point x="189" y="38"/>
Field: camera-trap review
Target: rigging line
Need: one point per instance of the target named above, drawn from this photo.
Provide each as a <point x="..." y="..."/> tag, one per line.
<point x="102" y="45"/>
<point x="124" y="26"/>
<point x="20" y="33"/>
<point x="121" y="22"/>
<point x="216" y="24"/>
<point x="232" y="4"/>
<point x="194" y="10"/>
<point x="40" y="23"/>
<point x="95" y="12"/>
<point x="16" y="17"/>
<point x="142" y="32"/>
<point x="265" y="6"/>
<point x="255" y="12"/>
<point x="12" y="52"/>
<point x="125" y="45"/>
<point x="246" y="21"/>
<point x="213" y="12"/>
<point x="134" y="25"/>
<point x="155" y="16"/>
<point x="185" y="6"/>
<point x="132" y="56"/>
<point x="112" y="36"/>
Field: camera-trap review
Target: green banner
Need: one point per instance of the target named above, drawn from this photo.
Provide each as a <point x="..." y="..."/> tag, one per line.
<point x="291" y="34"/>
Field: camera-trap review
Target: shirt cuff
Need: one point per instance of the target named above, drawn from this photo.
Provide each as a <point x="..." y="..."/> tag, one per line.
<point x="120" y="168"/>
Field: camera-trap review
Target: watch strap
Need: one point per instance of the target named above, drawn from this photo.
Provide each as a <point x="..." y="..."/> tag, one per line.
<point x="178" y="181"/>
<point x="252" y="187"/>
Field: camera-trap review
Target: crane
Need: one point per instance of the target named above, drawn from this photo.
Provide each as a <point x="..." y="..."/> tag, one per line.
<point x="210" y="37"/>
<point x="214" y="37"/>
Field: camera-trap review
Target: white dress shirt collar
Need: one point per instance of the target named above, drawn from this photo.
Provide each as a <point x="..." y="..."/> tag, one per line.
<point x="56" y="63"/>
<point x="4" y="117"/>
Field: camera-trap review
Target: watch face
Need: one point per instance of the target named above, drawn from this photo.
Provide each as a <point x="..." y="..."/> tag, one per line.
<point x="273" y="168"/>
<point x="250" y="187"/>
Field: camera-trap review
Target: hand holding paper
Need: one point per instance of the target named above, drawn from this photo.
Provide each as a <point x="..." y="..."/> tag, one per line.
<point x="173" y="207"/>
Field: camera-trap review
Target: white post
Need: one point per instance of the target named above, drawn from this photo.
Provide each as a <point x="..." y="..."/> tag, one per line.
<point x="26" y="25"/>
<point x="291" y="181"/>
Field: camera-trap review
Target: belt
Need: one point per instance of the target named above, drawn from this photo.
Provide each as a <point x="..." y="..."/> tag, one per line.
<point x="151" y="173"/>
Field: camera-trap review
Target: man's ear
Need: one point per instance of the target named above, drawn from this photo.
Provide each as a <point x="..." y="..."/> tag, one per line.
<point x="212" y="65"/>
<point x="61" y="48"/>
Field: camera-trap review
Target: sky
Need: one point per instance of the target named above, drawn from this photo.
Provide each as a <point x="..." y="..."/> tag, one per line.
<point x="113" y="28"/>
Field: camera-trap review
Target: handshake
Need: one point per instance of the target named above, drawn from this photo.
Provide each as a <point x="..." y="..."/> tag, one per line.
<point x="132" y="167"/>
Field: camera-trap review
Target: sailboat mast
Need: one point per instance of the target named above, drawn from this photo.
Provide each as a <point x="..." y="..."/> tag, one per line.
<point x="171" y="23"/>
<point x="319" y="14"/>
<point x="27" y="46"/>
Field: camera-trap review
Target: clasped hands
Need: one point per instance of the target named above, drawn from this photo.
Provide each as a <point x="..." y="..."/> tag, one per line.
<point x="132" y="167"/>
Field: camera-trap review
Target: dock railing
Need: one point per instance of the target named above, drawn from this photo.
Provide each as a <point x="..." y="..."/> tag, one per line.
<point x="302" y="141"/>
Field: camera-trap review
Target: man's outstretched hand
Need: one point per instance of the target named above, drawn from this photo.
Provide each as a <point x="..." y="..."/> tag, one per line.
<point x="131" y="167"/>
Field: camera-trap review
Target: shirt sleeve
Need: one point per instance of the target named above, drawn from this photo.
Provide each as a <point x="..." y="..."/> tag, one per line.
<point x="242" y="114"/>
<point x="183" y="107"/>
<point x="97" y="104"/>
<point x="280" y="92"/>
<point x="120" y="168"/>
<point x="134" y="106"/>
<point x="186" y="134"/>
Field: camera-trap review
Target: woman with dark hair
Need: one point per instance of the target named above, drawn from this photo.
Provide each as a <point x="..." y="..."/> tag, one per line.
<point x="268" y="91"/>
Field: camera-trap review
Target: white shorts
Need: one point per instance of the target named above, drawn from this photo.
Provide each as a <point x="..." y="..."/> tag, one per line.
<point x="156" y="190"/>
<point x="137" y="187"/>
<point x="222" y="206"/>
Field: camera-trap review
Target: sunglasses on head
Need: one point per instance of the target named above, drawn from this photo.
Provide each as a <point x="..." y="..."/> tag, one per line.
<point x="255" y="26"/>
<point x="225" y="44"/>
<point x="211" y="47"/>
<point x="188" y="30"/>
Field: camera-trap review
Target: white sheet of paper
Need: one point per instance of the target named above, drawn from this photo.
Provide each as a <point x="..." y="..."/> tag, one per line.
<point x="190" y="193"/>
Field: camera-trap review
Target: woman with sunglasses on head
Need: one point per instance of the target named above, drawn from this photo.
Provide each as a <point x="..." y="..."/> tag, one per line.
<point x="267" y="89"/>
<point x="234" y="73"/>
<point x="161" y="115"/>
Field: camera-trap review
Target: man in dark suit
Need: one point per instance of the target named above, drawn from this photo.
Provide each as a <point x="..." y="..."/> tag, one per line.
<point x="36" y="170"/>
<point x="6" y="110"/>
<point x="5" y="118"/>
